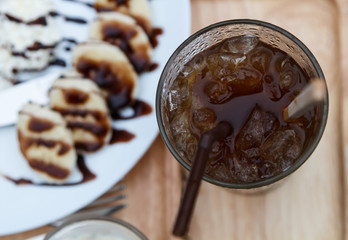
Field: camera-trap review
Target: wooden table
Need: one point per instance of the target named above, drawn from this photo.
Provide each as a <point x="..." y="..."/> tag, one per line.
<point x="311" y="204"/>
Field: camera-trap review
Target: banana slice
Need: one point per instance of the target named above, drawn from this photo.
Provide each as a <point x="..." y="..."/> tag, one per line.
<point x="110" y="69"/>
<point x="122" y="31"/>
<point x="84" y="108"/>
<point x="138" y="9"/>
<point x="45" y="142"/>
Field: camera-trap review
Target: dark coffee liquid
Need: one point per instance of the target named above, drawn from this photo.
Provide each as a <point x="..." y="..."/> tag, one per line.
<point x="248" y="87"/>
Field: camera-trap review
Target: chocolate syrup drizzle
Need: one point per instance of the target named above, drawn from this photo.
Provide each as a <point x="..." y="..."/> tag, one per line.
<point x="42" y="20"/>
<point x="79" y="2"/>
<point x="87" y="175"/>
<point x="138" y="107"/>
<point x="121" y="136"/>
<point x="38" y="21"/>
<point x="68" y="18"/>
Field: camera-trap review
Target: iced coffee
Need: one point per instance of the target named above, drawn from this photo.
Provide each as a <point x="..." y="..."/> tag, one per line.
<point x="246" y="82"/>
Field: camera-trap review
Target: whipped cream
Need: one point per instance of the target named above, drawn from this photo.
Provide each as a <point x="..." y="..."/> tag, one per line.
<point x="4" y="83"/>
<point x="17" y="43"/>
<point x="20" y="36"/>
<point x="26" y="10"/>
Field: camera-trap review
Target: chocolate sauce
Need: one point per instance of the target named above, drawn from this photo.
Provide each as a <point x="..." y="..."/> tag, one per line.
<point x="48" y="168"/>
<point x="20" y="181"/>
<point x="75" y="20"/>
<point x="89" y="146"/>
<point x="152" y="67"/>
<point x="38" y="21"/>
<point x="40" y="125"/>
<point x="98" y="130"/>
<point x="87" y="175"/>
<point x="80" y="2"/>
<point x="118" y="35"/>
<point x="74" y="96"/>
<point x="99" y="8"/>
<point x="80" y="112"/>
<point x="121" y="35"/>
<point x="121" y="2"/>
<point x="38" y="45"/>
<point x="58" y="62"/>
<point x="140" y="108"/>
<point x="68" y="18"/>
<point x="70" y="40"/>
<point x="19" y="54"/>
<point x="140" y="63"/>
<point x="28" y="142"/>
<point x="121" y="136"/>
<point x="153" y="36"/>
<point x="119" y="92"/>
<point x="116" y="5"/>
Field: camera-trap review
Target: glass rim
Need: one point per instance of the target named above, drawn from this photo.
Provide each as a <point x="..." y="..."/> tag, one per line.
<point x="300" y="161"/>
<point x="97" y="218"/>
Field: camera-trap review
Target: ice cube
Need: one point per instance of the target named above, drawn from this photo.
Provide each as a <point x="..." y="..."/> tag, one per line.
<point x="219" y="171"/>
<point x="204" y="119"/>
<point x="198" y="64"/>
<point x="178" y="94"/>
<point x="242" y="44"/>
<point x="288" y="75"/>
<point x="251" y="134"/>
<point x="271" y="88"/>
<point x="282" y="147"/>
<point x="267" y="169"/>
<point x="251" y="153"/>
<point x="245" y="170"/>
<point x="271" y="123"/>
<point x="217" y="92"/>
<point x="180" y="129"/>
<point x="244" y="81"/>
<point x="261" y="60"/>
<point x="177" y="98"/>
<point x="187" y="70"/>
<point x="287" y="79"/>
<point x="223" y="64"/>
<point x="225" y="60"/>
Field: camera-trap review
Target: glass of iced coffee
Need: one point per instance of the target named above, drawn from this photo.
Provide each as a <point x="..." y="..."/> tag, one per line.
<point x="244" y="72"/>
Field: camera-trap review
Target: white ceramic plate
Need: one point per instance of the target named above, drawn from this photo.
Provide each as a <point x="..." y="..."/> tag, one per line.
<point x="24" y="207"/>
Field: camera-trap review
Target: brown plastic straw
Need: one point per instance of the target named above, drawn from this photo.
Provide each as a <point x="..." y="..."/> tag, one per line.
<point x="205" y="143"/>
